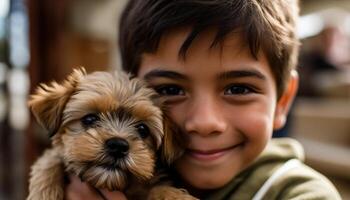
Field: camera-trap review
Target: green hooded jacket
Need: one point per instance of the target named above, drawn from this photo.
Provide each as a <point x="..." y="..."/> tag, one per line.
<point x="294" y="181"/>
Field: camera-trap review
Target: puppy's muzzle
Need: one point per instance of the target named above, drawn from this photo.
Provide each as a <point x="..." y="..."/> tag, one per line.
<point x="117" y="147"/>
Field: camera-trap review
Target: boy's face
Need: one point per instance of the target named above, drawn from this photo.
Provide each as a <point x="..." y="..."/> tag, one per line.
<point x="223" y="100"/>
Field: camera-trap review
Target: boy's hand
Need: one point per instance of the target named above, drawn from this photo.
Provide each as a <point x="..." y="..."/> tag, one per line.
<point x="77" y="190"/>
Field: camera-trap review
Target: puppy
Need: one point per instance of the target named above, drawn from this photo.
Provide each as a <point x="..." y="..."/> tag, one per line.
<point x="106" y="129"/>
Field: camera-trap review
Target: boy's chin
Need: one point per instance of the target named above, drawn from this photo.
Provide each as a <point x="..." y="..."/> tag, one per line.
<point x="215" y="173"/>
<point x="209" y="184"/>
<point x="204" y="180"/>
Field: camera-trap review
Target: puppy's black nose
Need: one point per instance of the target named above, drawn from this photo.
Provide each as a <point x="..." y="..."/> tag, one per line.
<point x="117" y="147"/>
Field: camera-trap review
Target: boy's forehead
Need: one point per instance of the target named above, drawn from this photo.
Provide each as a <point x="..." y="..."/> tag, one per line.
<point x="233" y="52"/>
<point x="233" y="43"/>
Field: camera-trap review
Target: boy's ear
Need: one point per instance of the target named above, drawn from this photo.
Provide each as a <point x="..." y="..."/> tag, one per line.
<point x="48" y="101"/>
<point x="286" y="100"/>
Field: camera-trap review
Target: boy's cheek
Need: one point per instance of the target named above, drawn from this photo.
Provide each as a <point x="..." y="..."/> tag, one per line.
<point x="257" y="131"/>
<point x="177" y="113"/>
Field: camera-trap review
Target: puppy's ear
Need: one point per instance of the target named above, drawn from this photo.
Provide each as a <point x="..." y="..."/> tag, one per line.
<point x="173" y="144"/>
<point x="48" y="101"/>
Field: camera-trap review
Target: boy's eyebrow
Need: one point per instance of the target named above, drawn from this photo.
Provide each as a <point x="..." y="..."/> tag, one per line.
<point x="157" y="73"/>
<point x="241" y="74"/>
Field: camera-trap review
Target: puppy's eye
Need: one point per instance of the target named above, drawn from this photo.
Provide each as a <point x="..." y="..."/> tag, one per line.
<point x="89" y="119"/>
<point x="143" y="130"/>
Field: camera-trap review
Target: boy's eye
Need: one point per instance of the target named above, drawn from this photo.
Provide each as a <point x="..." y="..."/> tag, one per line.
<point x="169" y="90"/>
<point x="89" y="119"/>
<point x="238" y="90"/>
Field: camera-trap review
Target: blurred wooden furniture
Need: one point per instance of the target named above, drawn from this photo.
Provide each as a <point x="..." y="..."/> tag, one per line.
<point x="323" y="127"/>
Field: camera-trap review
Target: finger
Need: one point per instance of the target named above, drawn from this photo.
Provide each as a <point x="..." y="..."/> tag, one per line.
<point x="115" y="195"/>
<point x="78" y="190"/>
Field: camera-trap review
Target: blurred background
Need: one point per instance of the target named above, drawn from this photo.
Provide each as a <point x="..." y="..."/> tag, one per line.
<point x="42" y="40"/>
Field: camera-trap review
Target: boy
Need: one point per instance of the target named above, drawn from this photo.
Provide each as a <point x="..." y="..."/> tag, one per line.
<point x="226" y="70"/>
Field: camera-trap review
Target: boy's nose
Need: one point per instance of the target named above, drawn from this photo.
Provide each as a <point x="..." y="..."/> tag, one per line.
<point x="204" y="117"/>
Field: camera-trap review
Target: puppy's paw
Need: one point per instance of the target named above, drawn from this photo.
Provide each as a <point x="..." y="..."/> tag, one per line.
<point x="169" y="193"/>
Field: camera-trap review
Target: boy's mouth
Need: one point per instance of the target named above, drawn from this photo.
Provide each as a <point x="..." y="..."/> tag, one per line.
<point x="209" y="155"/>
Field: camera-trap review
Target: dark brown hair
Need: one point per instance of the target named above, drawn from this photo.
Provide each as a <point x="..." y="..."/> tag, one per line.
<point x="267" y="25"/>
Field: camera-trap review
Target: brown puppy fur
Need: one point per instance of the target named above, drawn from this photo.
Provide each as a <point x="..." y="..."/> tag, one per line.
<point x="105" y="128"/>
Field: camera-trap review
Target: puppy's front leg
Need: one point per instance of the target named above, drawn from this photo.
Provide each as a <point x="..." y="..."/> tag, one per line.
<point x="164" y="192"/>
<point x="47" y="178"/>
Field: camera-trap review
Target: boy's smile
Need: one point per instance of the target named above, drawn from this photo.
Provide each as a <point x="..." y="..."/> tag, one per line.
<point x="209" y="156"/>
<point x="223" y="100"/>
